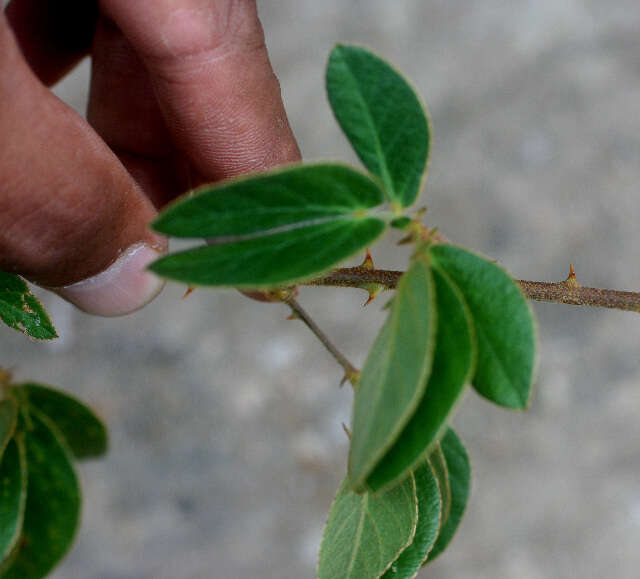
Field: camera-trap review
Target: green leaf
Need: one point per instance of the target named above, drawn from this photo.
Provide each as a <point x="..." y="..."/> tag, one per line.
<point x="438" y="463"/>
<point x="8" y="419"/>
<point x="459" y="471"/>
<point x="365" y="533"/>
<point x="275" y="260"/>
<point x="21" y="310"/>
<point x="13" y="492"/>
<point x="83" y="432"/>
<point x="262" y="203"/>
<point x="503" y="322"/>
<point x="400" y="222"/>
<point x="395" y="373"/>
<point x="411" y="559"/>
<point x="453" y="363"/>
<point x="383" y="118"/>
<point x="53" y="502"/>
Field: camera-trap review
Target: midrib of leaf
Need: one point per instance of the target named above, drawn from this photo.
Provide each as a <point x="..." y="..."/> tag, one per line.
<point x="386" y="175"/>
<point x="355" y="215"/>
<point x="359" y="532"/>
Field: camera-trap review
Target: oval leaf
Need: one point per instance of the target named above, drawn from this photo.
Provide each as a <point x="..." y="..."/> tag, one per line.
<point x="53" y="503"/>
<point x="8" y="419"/>
<point x="411" y="559"/>
<point x="261" y="203"/>
<point x="383" y="118"/>
<point x="13" y="492"/>
<point x="459" y="472"/>
<point x="503" y="322"/>
<point x="21" y="310"/>
<point x="274" y="260"/>
<point x="83" y="432"/>
<point x="365" y="534"/>
<point x="395" y="373"/>
<point x="453" y="364"/>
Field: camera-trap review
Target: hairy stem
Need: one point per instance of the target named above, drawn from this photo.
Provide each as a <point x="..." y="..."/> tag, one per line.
<point x="568" y="291"/>
<point x="350" y="371"/>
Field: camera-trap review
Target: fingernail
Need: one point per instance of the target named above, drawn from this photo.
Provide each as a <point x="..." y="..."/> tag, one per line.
<point x="122" y="288"/>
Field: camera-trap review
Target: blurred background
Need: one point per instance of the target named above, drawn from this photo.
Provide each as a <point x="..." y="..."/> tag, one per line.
<point x="225" y="419"/>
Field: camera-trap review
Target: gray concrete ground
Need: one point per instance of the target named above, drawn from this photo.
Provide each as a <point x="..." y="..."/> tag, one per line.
<point x="225" y="419"/>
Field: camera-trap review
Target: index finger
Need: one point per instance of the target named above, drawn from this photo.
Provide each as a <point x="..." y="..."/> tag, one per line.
<point x="214" y="83"/>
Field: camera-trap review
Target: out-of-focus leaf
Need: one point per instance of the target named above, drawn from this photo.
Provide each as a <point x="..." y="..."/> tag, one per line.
<point x="365" y="533"/>
<point x="21" y="310"/>
<point x="383" y="118"/>
<point x="8" y="419"/>
<point x="503" y="322"/>
<point x="13" y="492"/>
<point x="395" y="373"/>
<point x="53" y="502"/>
<point x="83" y="432"/>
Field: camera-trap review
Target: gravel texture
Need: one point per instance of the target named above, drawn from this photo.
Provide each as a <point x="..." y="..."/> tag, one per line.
<point x="225" y="419"/>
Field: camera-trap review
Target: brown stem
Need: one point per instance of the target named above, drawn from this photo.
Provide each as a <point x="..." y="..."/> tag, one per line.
<point x="350" y="371"/>
<point x="568" y="291"/>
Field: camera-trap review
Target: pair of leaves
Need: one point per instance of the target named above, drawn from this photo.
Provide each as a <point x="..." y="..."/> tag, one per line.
<point x="39" y="491"/>
<point x="21" y="310"/>
<point x="456" y="318"/>
<point x="291" y="224"/>
<point x="274" y="228"/>
<point x="394" y="533"/>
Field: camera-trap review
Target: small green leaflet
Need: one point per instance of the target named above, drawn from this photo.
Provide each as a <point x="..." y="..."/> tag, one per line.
<point x="453" y="365"/>
<point x="503" y="322"/>
<point x="83" y="432"/>
<point x="274" y="260"/>
<point x="382" y="117"/>
<point x="438" y="463"/>
<point x="53" y="502"/>
<point x="459" y="471"/>
<point x="365" y="533"/>
<point x="263" y="203"/>
<point x="8" y="419"/>
<point x="21" y="310"/>
<point x="13" y="492"/>
<point x="412" y="558"/>
<point x="395" y="373"/>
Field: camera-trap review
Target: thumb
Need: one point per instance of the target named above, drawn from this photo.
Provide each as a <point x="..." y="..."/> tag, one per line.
<point x="71" y="217"/>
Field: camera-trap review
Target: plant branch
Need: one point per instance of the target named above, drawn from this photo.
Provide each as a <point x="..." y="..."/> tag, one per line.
<point x="350" y="371"/>
<point x="568" y="291"/>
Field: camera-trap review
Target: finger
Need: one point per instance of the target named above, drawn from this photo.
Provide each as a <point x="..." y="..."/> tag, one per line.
<point x="70" y="215"/>
<point x="123" y="111"/>
<point x="53" y="35"/>
<point x="215" y="86"/>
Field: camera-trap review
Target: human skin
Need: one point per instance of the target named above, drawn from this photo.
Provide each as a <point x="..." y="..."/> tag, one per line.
<point x="182" y="92"/>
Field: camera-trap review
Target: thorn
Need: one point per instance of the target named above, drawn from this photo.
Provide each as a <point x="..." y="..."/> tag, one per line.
<point x="374" y="290"/>
<point x="189" y="291"/>
<point x="293" y="316"/>
<point x="346" y="430"/>
<point x="368" y="261"/>
<point x="572" y="281"/>
<point x="406" y="240"/>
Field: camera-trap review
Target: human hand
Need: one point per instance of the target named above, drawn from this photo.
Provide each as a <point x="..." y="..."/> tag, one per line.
<point x="182" y="93"/>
